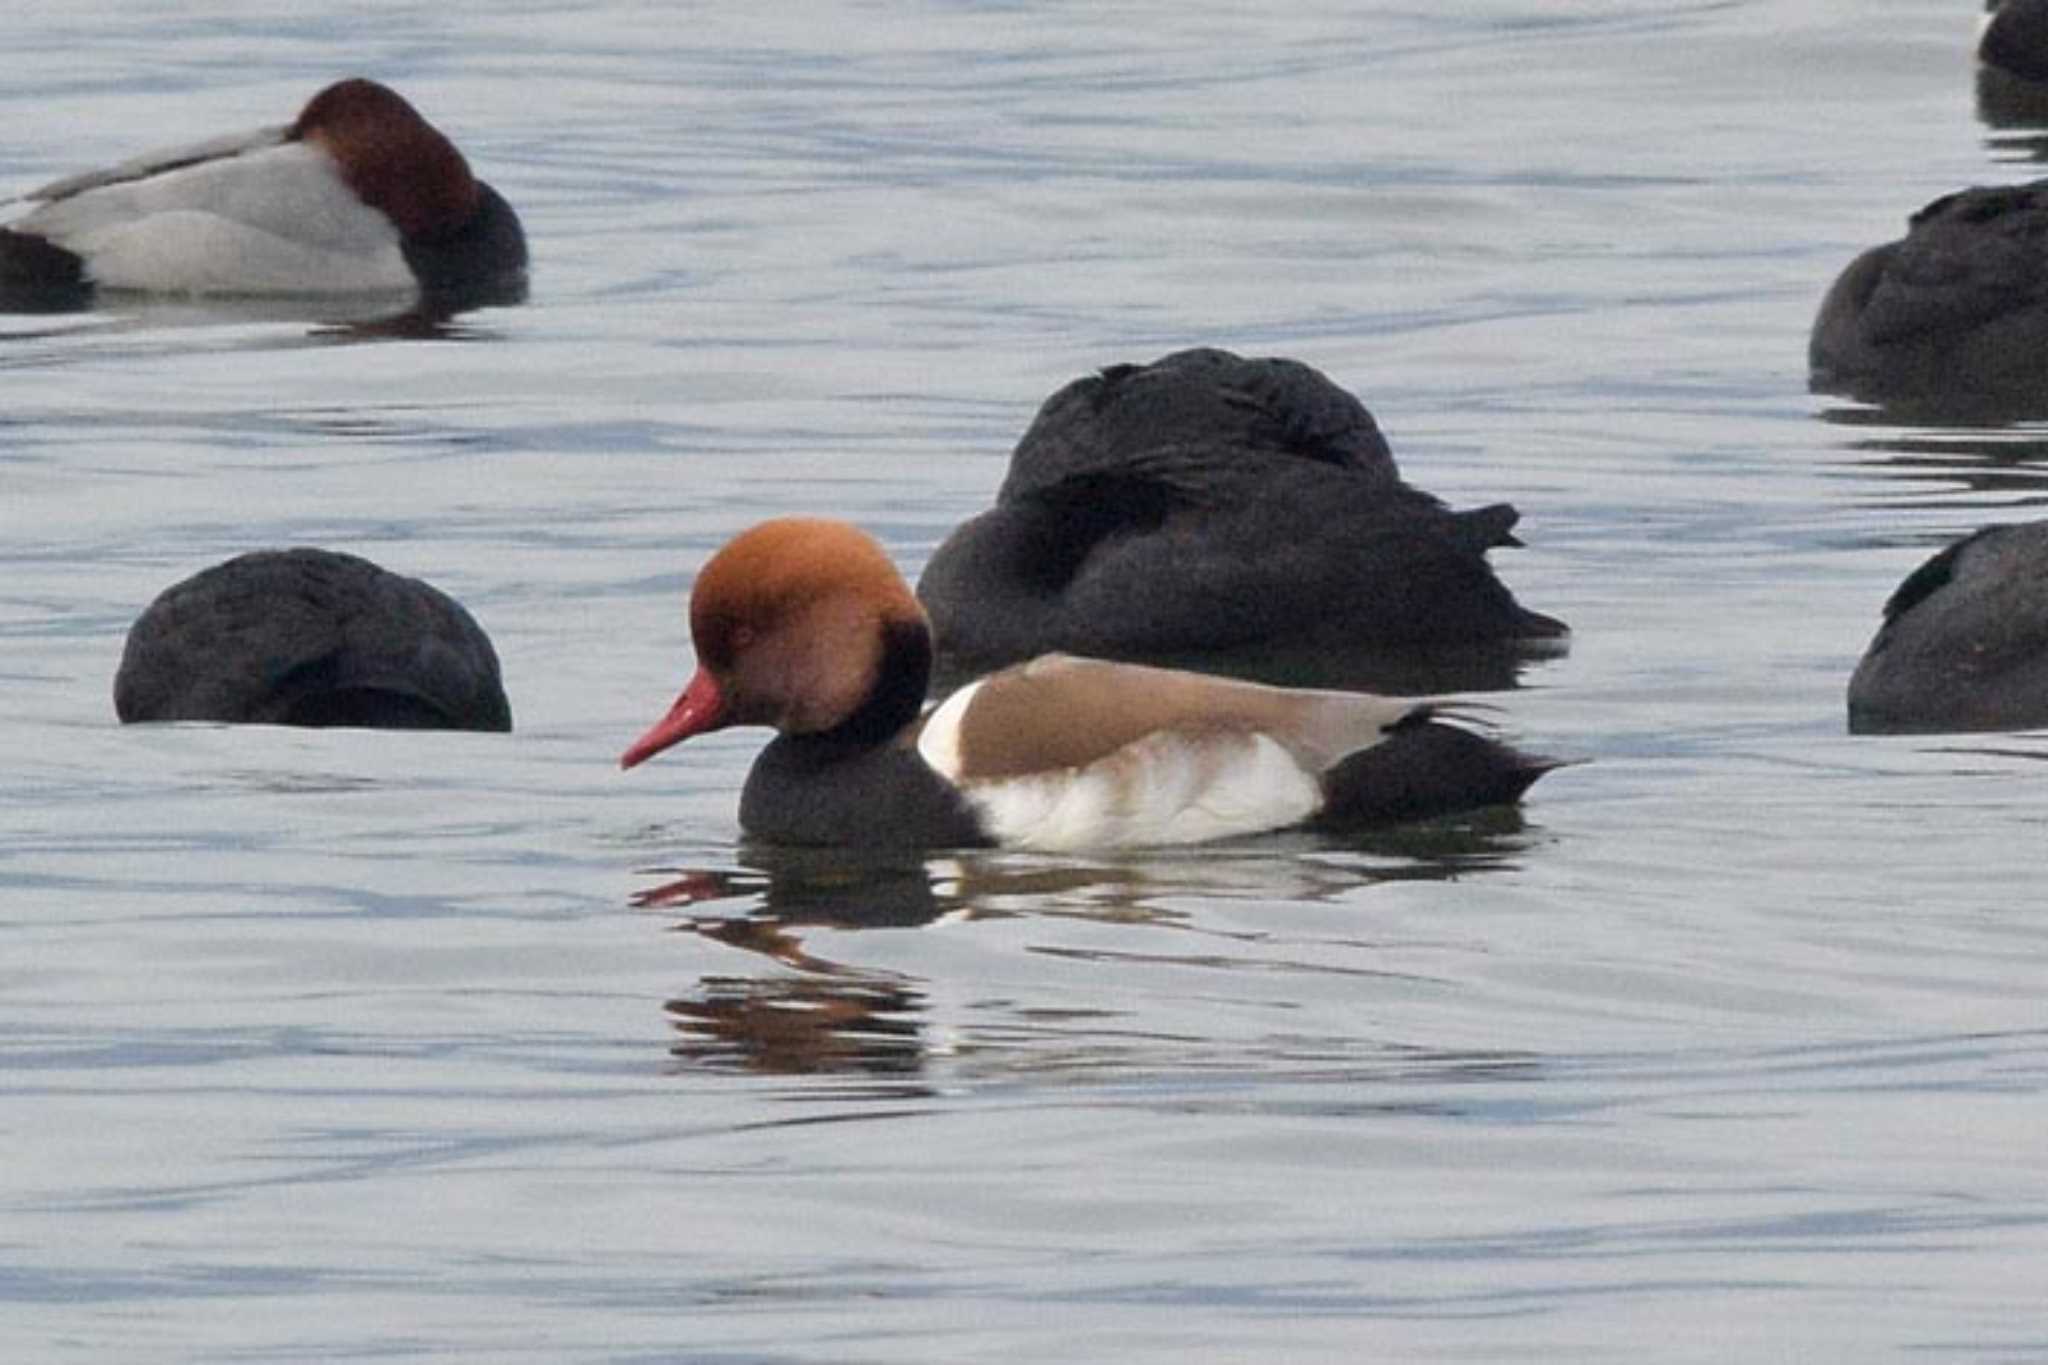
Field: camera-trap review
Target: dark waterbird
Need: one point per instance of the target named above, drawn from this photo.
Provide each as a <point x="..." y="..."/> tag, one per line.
<point x="1964" y="644"/>
<point x="2012" y="78"/>
<point x="1209" y="503"/>
<point x="2015" y="38"/>
<point x="310" y="637"/>
<point x="1956" y="307"/>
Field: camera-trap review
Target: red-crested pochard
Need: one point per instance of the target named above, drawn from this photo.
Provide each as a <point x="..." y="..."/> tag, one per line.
<point x="310" y="637"/>
<point x="806" y="626"/>
<point x="358" y="195"/>
<point x="1208" y="503"/>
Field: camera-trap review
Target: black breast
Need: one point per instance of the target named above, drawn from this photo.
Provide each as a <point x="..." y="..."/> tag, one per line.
<point x="822" y="790"/>
<point x="483" y="262"/>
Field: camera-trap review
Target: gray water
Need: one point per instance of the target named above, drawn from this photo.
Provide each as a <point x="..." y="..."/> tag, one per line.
<point x="1729" y="1045"/>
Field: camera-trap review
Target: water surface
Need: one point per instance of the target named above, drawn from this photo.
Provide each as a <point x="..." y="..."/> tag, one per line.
<point x="327" y="1045"/>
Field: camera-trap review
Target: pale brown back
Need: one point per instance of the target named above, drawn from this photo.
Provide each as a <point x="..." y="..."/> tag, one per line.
<point x="1059" y="711"/>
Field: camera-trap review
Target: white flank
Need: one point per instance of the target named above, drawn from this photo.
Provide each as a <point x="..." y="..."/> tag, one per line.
<point x="1163" y="789"/>
<point x="1167" y="788"/>
<point x="276" y="220"/>
<point x="939" y="742"/>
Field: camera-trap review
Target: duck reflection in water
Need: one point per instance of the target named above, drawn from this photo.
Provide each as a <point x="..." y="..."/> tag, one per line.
<point x="325" y="321"/>
<point x="1951" y="458"/>
<point x="830" y="1018"/>
<point x="800" y="1026"/>
<point x="810" y="1014"/>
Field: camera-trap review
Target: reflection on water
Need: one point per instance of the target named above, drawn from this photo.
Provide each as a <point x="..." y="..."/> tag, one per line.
<point x="400" y="316"/>
<point x="808" y="1014"/>
<point x="2009" y="746"/>
<point x="799" y="1026"/>
<point x="876" y="1031"/>
<point x="1953" y="448"/>
<point x="1969" y="408"/>
<point x="2016" y="110"/>
<point x="853" y="889"/>
<point x="1964" y="411"/>
<point x="812" y="886"/>
<point x="418" y="323"/>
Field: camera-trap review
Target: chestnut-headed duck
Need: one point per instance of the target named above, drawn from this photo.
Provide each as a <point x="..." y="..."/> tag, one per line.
<point x="358" y="195"/>
<point x="805" y="626"/>
<point x="1964" y="644"/>
<point x="1958" y="306"/>
<point x="310" y="637"/>
<point x="1208" y="503"/>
